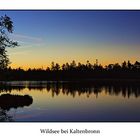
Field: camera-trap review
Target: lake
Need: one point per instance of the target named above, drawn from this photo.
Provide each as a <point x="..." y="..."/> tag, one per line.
<point x="72" y="101"/>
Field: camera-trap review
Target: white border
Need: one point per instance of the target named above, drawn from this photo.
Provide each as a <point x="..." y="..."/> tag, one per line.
<point x="69" y="4"/>
<point x="109" y="131"/>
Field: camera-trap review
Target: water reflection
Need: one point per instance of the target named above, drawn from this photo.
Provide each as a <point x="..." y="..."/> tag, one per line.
<point x="4" y="117"/>
<point x="125" y="89"/>
<point x="70" y="101"/>
<point x="8" y="101"/>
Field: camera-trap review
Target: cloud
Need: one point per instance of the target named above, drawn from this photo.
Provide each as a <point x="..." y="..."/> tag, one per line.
<point x="27" y="44"/>
<point x="20" y="50"/>
<point x="25" y="39"/>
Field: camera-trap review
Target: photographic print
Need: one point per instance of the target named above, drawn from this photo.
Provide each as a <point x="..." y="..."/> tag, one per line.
<point x="69" y="65"/>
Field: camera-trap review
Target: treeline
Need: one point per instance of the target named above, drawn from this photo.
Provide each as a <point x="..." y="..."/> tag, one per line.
<point x="75" y="71"/>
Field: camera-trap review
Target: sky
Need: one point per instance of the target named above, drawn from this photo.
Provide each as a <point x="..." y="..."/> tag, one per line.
<point x="63" y="36"/>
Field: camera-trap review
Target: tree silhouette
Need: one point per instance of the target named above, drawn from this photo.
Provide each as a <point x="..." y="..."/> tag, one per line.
<point x="124" y="65"/>
<point x="129" y="65"/>
<point x="137" y="65"/>
<point x="8" y="101"/>
<point x="75" y="71"/>
<point x="6" y="27"/>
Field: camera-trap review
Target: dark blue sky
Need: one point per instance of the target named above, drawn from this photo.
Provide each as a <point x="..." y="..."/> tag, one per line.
<point x="80" y="35"/>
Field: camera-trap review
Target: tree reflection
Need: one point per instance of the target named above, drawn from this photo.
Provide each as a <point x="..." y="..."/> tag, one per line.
<point x="8" y="101"/>
<point x="124" y="88"/>
<point x="4" y="117"/>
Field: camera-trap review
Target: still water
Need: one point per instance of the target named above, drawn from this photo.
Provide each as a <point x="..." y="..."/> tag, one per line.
<point x="71" y="101"/>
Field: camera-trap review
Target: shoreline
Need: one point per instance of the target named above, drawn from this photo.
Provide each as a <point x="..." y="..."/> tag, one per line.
<point x="74" y="80"/>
